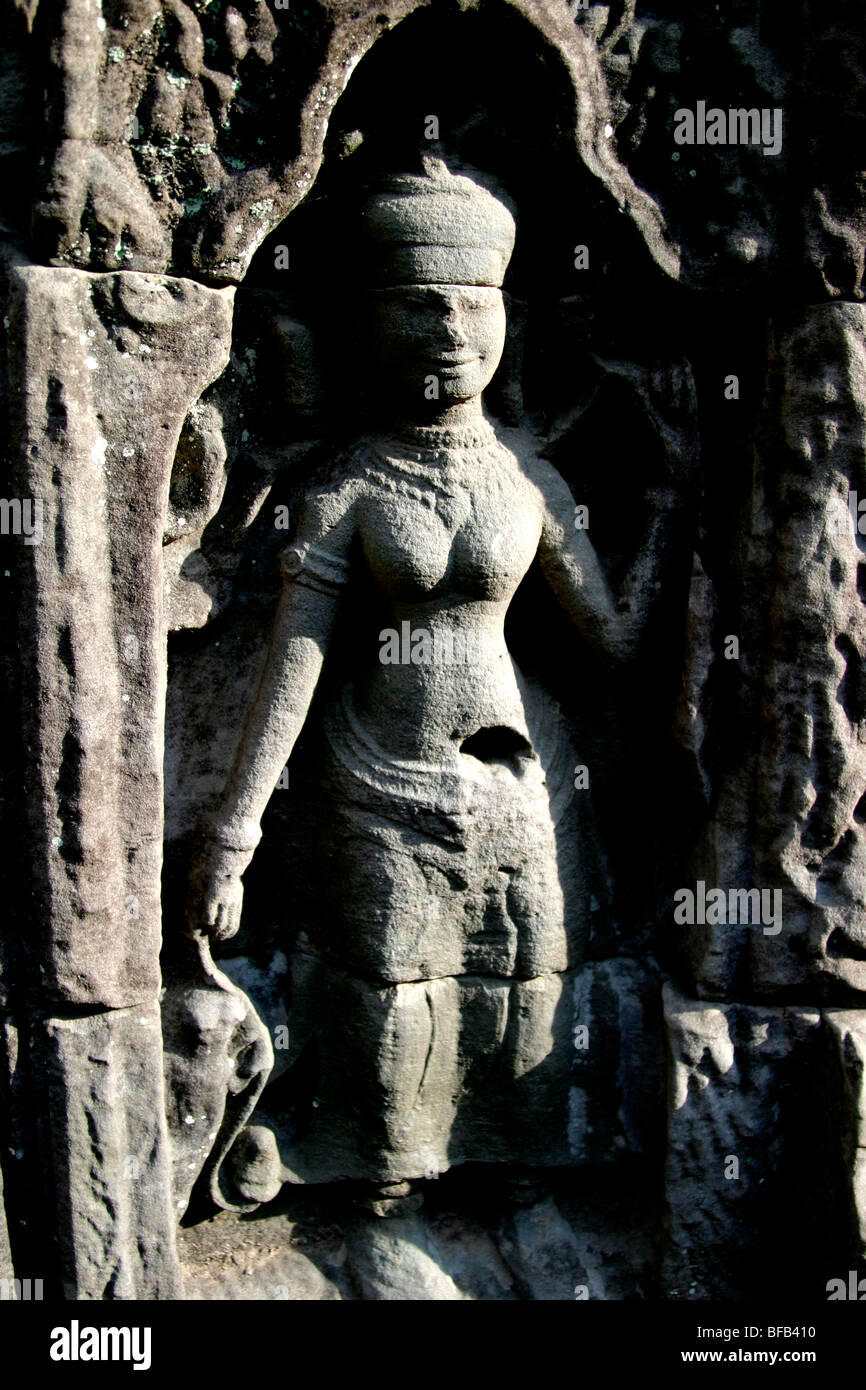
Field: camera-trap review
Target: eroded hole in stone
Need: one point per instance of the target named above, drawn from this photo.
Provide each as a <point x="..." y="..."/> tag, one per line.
<point x="494" y="745"/>
<point x="838" y="945"/>
<point x="852" y="688"/>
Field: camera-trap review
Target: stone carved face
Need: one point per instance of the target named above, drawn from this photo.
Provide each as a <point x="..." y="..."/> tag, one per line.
<point x="453" y="333"/>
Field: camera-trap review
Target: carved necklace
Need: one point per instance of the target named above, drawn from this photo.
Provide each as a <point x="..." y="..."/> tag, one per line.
<point x="438" y="457"/>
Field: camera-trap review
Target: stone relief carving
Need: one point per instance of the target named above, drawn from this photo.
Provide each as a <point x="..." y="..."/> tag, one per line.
<point x="450" y="870"/>
<point x="418" y="639"/>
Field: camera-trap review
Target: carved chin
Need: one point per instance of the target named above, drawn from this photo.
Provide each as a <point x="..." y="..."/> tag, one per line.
<point x="460" y="386"/>
<point x="463" y="383"/>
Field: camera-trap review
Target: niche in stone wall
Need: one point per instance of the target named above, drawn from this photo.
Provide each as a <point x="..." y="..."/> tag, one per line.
<point x="593" y="373"/>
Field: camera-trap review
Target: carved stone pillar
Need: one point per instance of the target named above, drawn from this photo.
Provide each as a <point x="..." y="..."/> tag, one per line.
<point x="788" y="821"/>
<point x="103" y="369"/>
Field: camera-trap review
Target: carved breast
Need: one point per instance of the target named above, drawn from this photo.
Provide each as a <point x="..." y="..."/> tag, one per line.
<point x="474" y="540"/>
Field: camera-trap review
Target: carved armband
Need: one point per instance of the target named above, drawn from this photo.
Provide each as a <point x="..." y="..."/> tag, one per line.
<point x="315" y="567"/>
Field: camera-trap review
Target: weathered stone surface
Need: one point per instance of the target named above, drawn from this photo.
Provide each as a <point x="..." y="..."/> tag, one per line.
<point x="544" y="1253"/>
<point x="6" y="1269"/>
<point x="170" y="74"/>
<point x="847" y="1029"/>
<point x="471" y="1242"/>
<point x="748" y="1130"/>
<point x="448" y="871"/>
<point x="788" y="814"/>
<point x="424" y="1048"/>
<point x="470" y="1256"/>
<point x="104" y="370"/>
<point x="110" y="1154"/>
<point x="257" y="1274"/>
<point x="217" y="1058"/>
<point x="453" y="933"/>
<point x="395" y="1261"/>
<point x="181" y="135"/>
<point x="619" y="1061"/>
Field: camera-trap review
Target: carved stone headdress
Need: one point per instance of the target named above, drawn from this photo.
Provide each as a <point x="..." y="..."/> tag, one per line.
<point x="437" y="228"/>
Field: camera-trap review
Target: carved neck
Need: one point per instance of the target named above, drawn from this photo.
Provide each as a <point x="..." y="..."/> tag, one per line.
<point x="473" y="433"/>
<point x="440" y="416"/>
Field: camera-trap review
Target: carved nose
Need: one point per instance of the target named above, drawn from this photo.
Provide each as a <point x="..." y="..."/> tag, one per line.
<point x="455" y="330"/>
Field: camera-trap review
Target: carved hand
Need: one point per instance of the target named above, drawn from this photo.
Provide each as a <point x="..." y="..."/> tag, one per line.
<point x="216" y="891"/>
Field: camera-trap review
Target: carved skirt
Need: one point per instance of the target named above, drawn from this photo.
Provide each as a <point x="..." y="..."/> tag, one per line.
<point x="431" y="982"/>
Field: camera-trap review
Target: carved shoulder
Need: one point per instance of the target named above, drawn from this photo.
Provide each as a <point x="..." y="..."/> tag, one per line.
<point x="557" y="501"/>
<point x="320" y="554"/>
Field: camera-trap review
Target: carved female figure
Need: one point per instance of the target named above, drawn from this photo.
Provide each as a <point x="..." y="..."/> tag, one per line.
<point x="431" y="963"/>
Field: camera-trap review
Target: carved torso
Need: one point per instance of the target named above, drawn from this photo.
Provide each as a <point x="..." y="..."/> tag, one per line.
<point x="448" y="530"/>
